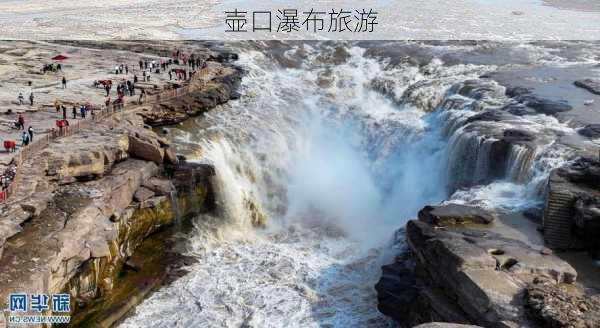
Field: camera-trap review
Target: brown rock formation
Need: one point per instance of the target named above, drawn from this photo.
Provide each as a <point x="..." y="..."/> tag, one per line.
<point x="87" y="203"/>
<point x="464" y="275"/>
<point x="144" y="146"/>
<point x="452" y="214"/>
<point x="217" y="85"/>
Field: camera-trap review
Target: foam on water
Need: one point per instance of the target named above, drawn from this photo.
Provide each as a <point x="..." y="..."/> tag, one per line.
<point x="300" y="277"/>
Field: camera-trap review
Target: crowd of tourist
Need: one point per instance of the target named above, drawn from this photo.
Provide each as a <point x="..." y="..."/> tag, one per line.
<point x="180" y="67"/>
<point x="6" y="178"/>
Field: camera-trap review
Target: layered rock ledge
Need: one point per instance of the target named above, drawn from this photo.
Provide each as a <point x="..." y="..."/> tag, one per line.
<point x="572" y="212"/>
<point x="219" y="86"/>
<point x="93" y="208"/>
<point x="461" y="271"/>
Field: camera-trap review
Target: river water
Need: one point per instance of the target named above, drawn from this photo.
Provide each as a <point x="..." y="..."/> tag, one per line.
<point x="330" y="149"/>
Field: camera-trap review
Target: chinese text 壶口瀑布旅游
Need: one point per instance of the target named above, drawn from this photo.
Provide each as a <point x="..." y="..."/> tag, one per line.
<point x="291" y="20"/>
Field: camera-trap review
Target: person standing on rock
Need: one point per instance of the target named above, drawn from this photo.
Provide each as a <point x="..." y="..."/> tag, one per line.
<point x="25" y="139"/>
<point x="30" y="131"/>
<point x="74" y="112"/>
<point x="82" y="110"/>
<point x="21" y="122"/>
<point x="64" y="83"/>
<point x="64" y="111"/>
<point x="129" y="87"/>
<point x="31" y="99"/>
<point x="170" y="75"/>
<point x="142" y="95"/>
<point x="20" y="98"/>
<point x="126" y="69"/>
<point x="141" y="64"/>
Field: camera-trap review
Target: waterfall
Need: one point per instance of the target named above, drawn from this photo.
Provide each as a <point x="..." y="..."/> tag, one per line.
<point x="520" y="163"/>
<point x="471" y="160"/>
<point x="319" y="162"/>
<point x="236" y="185"/>
<point x="468" y="159"/>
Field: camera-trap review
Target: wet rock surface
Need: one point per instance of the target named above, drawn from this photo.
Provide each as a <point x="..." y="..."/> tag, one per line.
<point x="479" y="89"/>
<point x="518" y="136"/>
<point x="397" y="287"/>
<point x="490" y="115"/>
<point x="518" y="109"/>
<point x="463" y="275"/>
<point x="452" y="214"/>
<point x="591" y="131"/>
<point x="539" y="104"/>
<point x="551" y="90"/>
<point x="591" y="85"/>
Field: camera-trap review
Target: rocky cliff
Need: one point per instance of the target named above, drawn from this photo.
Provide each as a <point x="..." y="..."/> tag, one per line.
<point x="93" y="213"/>
<point x="461" y="271"/>
<point x="572" y="211"/>
<point x="219" y="83"/>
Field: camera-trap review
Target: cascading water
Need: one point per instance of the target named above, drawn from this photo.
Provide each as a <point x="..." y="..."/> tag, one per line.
<point x="330" y="157"/>
<point x="519" y="163"/>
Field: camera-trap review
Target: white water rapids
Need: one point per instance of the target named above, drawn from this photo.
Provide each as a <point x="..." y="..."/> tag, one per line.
<point x="335" y="168"/>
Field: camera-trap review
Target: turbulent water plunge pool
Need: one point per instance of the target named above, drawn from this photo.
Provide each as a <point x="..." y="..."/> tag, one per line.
<point x="329" y="150"/>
